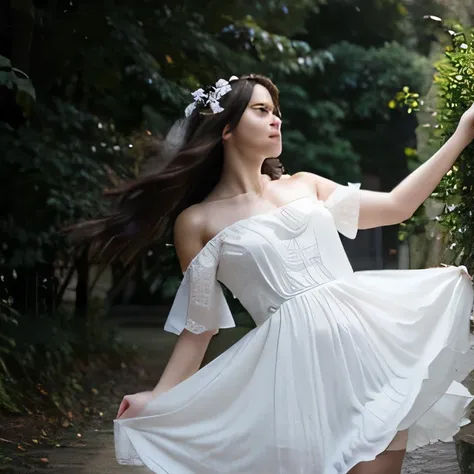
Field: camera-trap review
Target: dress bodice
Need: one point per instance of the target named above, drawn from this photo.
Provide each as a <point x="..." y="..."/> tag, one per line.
<point x="265" y="260"/>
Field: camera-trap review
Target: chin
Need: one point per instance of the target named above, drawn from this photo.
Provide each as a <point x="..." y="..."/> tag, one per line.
<point x="273" y="152"/>
<point x="276" y="153"/>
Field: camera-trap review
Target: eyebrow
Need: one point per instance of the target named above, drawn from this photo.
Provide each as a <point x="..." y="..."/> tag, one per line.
<point x="265" y="104"/>
<point x="270" y="106"/>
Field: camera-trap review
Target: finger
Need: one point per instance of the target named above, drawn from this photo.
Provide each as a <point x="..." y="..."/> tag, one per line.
<point x="123" y="406"/>
<point x="125" y="412"/>
<point x="128" y="413"/>
<point x="465" y="271"/>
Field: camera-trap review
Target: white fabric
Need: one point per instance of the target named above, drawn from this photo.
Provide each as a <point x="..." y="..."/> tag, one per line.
<point x="338" y="363"/>
<point x="200" y="303"/>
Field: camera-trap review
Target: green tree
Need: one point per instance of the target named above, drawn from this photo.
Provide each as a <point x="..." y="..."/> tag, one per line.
<point x="75" y="119"/>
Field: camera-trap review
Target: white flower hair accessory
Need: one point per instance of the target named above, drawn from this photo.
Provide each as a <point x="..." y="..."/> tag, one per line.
<point x="210" y="99"/>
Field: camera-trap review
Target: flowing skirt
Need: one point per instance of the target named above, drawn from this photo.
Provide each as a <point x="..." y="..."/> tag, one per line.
<point x="325" y="383"/>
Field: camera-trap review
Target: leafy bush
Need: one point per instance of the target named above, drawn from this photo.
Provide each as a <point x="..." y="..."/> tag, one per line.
<point x="454" y="82"/>
<point x="40" y="357"/>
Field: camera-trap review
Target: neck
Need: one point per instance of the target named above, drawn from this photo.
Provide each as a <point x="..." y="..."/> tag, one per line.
<point x="241" y="175"/>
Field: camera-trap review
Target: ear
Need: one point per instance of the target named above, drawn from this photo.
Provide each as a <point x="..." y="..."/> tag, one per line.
<point x="226" y="133"/>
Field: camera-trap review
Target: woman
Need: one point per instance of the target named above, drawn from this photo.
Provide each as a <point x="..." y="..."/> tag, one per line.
<point x="343" y="369"/>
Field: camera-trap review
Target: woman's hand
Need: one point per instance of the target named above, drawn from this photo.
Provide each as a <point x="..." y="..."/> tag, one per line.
<point x="132" y="405"/>
<point x="466" y="124"/>
<point x="462" y="267"/>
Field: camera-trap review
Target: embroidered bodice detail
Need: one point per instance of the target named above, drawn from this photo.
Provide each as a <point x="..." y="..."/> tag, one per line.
<point x="297" y="238"/>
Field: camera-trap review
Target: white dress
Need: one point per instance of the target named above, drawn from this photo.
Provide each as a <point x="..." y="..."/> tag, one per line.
<point x="338" y="363"/>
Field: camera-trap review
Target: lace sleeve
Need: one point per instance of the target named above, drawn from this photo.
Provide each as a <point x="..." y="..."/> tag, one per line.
<point x="344" y="204"/>
<point x="200" y="304"/>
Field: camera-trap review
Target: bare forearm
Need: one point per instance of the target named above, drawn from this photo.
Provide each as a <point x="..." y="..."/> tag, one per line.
<point x="419" y="185"/>
<point x="185" y="360"/>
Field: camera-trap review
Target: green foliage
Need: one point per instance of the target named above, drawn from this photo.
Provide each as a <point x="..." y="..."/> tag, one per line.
<point x="19" y="84"/>
<point x="61" y="175"/>
<point x="39" y="356"/>
<point x="126" y="75"/>
<point x="126" y="69"/>
<point x="454" y="82"/>
<point x="130" y="68"/>
<point x="338" y="119"/>
<point x="368" y="77"/>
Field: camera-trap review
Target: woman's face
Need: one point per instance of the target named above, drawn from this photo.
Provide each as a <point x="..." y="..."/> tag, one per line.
<point x="259" y="130"/>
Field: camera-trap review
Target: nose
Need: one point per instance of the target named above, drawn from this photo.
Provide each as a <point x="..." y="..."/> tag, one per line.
<point x="276" y="123"/>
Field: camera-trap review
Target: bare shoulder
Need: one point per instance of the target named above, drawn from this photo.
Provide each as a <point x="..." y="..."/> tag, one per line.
<point x="321" y="186"/>
<point x="188" y="232"/>
<point x="299" y="180"/>
<point x="306" y="177"/>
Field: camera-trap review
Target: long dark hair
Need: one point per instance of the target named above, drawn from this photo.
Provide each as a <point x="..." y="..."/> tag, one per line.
<point x="185" y="170"/>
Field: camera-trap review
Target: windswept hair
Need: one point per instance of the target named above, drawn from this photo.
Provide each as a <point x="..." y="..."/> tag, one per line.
<point x="183" y="172"/>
